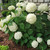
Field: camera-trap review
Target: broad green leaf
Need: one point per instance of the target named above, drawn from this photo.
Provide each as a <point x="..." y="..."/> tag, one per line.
<point x="22" y="43"/>
<point x="27" y="25"/>
<point x="16" y="41"/>
<point x="43" y="45"/>
<point x="39" y="34"/>
<point x="22" y="26"/>
<point x="24" y="13"/>
<point x="28" y="45"/>
<point x="25" y="40"/>
<point x="30" y="31"/>
<point x="26" y="35"/>
<point x="32" y="37"/>
<point x="11" y="35"/>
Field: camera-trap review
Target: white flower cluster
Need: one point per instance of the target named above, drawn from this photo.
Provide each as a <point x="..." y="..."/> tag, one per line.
<point x="13" y="27"/>
<point x="39" y="39"/>
<point x="18" y="35"/>
<point x="48" y="41"/>
<point x="31" y="7"/>
<point x="35" y="43"/>
<point x="11" y="7"/>
<point x="43" y="7"/>
<point x="31" y="18"/>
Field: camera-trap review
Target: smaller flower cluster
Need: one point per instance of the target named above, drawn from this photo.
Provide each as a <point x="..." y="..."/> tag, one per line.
<point x="35" y="43"/>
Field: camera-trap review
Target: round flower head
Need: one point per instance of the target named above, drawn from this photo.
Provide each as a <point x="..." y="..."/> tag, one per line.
<point x="13" y="27"/>
<point x="39" y="39"/>
<point x="18" y="35"/>
<point x="31" y="7"/>
<point x="31" y="18"/>
<point x="43" y="7"/>
<point x="48" y="42"/>
<point x="11" y="7"/>
<point x="34" y="44"/>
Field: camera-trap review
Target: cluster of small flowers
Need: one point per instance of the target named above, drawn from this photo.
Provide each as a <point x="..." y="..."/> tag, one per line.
<point x="31" y="18"/>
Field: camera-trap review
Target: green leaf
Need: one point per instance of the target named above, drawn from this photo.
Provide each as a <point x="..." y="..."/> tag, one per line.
<point x="47" y="32"/>
<point x="24" y="13"/>
<point x="11" y="35"/>
<point x="7" y="30"/>
<point x="38" y="25"/>
<point x="25" y="40"/>
<point x="16" y="41"/>
<point x="16" y="11"/>
<point x="44" y="17"/>
<point x="30" y="31"/>
<point x="37" y="11"/>
<point x="28" y="45"/>
<point x="26" y="35"/>
<point x="32" y="38"/>
<point x="39" y="34"/>
<point x="46" y="37"/>
<point x="22" y="43"/>
<point x="27" y="25"/>
<point x="19" y="19"/>
<point x="43" y="46"/>
<point x="21" y="26"/>
<point x="10" y="24"/>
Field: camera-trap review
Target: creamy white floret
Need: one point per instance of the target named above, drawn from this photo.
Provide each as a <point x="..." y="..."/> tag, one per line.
<point x="18" y="35"/>
<point x="11" y="7"/>
<point x="43" y="7"/>
<point x="31" y="18"/>
<point x="31" y="7"/>
<point x="48" y="42"/>
<point x="34" y="44"/>
<point x="13" y="27"/>
<point x="39" y="39"/>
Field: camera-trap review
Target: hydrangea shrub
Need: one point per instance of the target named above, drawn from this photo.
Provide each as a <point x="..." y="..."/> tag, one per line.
<point x="28" y="25"/>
